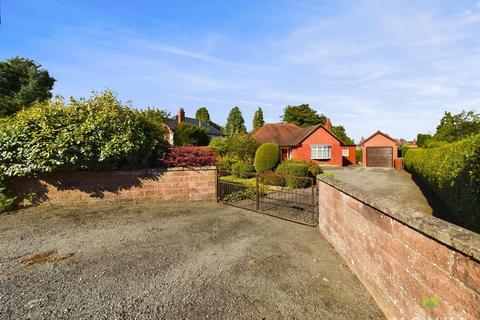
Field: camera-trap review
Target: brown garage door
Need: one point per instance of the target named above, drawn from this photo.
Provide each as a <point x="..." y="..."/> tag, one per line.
<point x="379" y="157"/>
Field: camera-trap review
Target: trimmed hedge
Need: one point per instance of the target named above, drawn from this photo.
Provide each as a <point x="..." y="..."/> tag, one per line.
<point x="266" y="157"/>
<point x="453" y="173"/>
<point x="242" y="169"/>
<point x="296" y="174"/>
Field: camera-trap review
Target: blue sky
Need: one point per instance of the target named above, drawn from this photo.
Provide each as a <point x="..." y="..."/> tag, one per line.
<point x="368" y="65"/>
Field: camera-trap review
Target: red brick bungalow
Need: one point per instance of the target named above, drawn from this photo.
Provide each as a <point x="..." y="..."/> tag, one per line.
<point x="316" y="143"/>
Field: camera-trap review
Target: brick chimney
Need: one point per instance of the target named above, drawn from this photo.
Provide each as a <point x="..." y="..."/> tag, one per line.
<point x="181" y="115"/>
<point x="328" y="125"/>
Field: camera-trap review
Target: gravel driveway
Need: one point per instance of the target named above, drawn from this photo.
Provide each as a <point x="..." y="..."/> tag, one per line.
<point x="169" y="261"/>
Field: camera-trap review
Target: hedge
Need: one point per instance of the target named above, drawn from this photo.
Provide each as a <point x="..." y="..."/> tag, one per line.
<point x="188" y="156"/>
<point x="296" y="174"/>
<point x="453" y="173"/>
<point x="266" y="157"/>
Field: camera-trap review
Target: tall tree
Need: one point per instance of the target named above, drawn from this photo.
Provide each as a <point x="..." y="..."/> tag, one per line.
<point x="339" y="132"/>
<point x="235" y="122"/>
<point x="457" y="126"/>
<point x="22" y="82"/>
<point x="258" y="119"/>
<point x="302" y="116"/>
<point x="202" y="114"/>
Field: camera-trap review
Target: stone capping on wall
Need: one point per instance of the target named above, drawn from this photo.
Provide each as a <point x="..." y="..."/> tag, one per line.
<point x="456" y="237"/>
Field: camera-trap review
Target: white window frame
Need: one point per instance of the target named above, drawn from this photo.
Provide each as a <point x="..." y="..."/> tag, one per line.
<point x="345" y="152"/>
<point x="321" y="151"/>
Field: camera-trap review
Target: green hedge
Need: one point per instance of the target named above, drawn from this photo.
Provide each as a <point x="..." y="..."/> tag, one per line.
<point x="453" y="173"/>
<point x="296" y="174"/>
<point x="87" y="134"/>
<point x="267" y="157"/>
<point x="6" y="201"/>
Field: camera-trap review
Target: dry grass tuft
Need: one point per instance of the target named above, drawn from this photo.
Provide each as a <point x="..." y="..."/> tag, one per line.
<point x="46" y="256"/>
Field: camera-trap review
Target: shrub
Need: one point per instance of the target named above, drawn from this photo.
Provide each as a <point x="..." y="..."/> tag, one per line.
<point x="296" y="174"/>
<point x="189" y="156"/>
<point x="272" y="179"/>
<point x="267" y="157"/>
<point x="242" y="147"/>
<point x="219" y="144"/>
<point x="5" y="200"/>
<point x="187" y="134"/>
<point x="313" y="169"/>
<point x="94" y="134"/>
<point x="453" y="173"/>
<point x="434" y="144"/>
<point x="358" y="156"/>
<point x="242" y="170"/>
<point x="225" y="163"/>
<point x="403" y="150"/>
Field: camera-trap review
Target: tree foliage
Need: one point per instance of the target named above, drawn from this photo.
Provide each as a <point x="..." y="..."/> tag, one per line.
<point x="458" y="126"/>
<point x="242" y="146"/>
<point x="187" y="134"/>
<point x="302" y="116"/>
<point x="203" y="115"/>
<point x="258" y="119"/>
<point x="422" y="139"/>
<point x="219" y="144"/>
<point x="94" y="134"/>
<point x="339" y="132"/>
<point x="188" y="156"/>
<point x="22" y="83"/>
<point x="235" y="122"/>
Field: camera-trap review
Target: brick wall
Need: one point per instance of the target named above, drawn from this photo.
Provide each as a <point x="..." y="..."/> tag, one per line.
<point x="157" y="184"/>
<point x="402" y="256"/>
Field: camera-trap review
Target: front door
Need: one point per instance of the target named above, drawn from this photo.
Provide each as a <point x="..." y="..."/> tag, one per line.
<point x="285" y="153"/>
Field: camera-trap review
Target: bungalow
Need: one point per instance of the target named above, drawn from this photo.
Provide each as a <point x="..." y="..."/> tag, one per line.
<point x="180" y="118"/>
<point x="316" y="143"/>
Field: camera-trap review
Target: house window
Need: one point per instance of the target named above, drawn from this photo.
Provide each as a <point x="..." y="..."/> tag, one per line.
<point x="345" y="152"/>
<point x="286" y="153"/>
<point x="321" y="151"/>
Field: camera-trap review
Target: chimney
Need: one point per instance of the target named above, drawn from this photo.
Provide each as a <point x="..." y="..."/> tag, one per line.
<point x="181" y="115"/>
<point x="328" y="125"/>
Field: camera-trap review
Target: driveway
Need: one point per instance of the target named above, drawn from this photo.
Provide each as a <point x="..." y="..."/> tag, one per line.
<point x="399" y="186"/>
<point x="170" y="261"/>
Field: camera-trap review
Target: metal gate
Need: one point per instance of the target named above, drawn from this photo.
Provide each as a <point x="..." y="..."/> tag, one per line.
<point x="287" y="197"/>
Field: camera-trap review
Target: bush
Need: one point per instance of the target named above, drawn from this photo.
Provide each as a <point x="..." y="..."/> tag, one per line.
<point x="272" y="179"/>
<point x="313" y="169"/>
<point x="358" y="156"/>
<point x="434" y="144"/>
<point x="189" y="156"/>
<point x="242" y="170"/>
<point x="6" y="201"/>
<point x="186" y="134"/>
<point x="296" y="174"/>
<point x="225" y="163"/>
<point x="242" y="146"/>
<point x="453" y="173"/>
<point x="267" y="157"/>
<point x="403" y="150"/>
<point x="94" y="134"/>
<point x="219" y="144"/>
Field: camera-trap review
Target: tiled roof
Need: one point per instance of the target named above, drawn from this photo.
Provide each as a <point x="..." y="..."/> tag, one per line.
<point x="173" y="122"/>
<point x="381" y="133"/>
<point x="285" y="134"/>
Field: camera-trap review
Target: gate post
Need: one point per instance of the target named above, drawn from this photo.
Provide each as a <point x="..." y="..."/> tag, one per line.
<point x="313" y="202"/>
<point x="257" y="194"/>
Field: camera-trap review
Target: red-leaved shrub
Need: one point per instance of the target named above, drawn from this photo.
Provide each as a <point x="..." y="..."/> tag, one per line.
<point x="189" y="156"/>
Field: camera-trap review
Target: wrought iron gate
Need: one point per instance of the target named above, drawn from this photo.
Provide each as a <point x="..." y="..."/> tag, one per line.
<point x="287" y="197"/>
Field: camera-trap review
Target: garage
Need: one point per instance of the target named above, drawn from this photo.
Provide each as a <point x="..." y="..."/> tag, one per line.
<point x="379" y="150"/>
<point x="379" y="157"/>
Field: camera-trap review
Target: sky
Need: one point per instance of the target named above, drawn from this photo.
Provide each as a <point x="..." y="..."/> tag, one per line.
<point x="394" y="66"/>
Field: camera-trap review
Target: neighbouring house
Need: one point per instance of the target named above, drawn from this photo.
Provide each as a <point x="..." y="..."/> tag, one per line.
<point x="379" y="150"/>
<point x="316" y="143"/>
<point x="408" y="143"/>
<point x="180" y="118"/>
